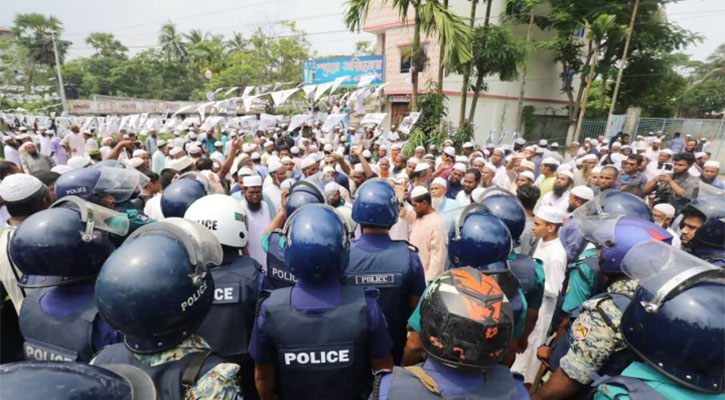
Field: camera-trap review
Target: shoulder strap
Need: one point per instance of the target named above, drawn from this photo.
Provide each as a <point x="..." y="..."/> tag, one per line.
<point x="12" y="263"/>
<point x="189" y="377"/>
<point x="427" y="381"/>
<point x="620" y="300"/>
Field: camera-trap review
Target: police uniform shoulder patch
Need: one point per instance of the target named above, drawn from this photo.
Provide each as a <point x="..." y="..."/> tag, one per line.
<point x="581" y="330"/>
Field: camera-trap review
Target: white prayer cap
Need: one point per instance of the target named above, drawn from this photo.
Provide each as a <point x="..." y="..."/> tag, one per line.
<point x="332" y="187"/>
<point x="402" y="175"/>
<point x="177" y="133"/>
<point x="520" y="141"/>
<point x="233" y="133"/>
<point x="268" y="143"/>
<point x="567" y="173"/>
<point x="529" y="175"/>
<point x="477" y="194"/>
<point x="396" y="146"/>
<point x="307" y="161"/>
<point x="252" y="181"/>
<point x="180" y="163"/>
<point x="217" y="144"/>
<point x="18" y="187"/>
<point x="461" y="159"/>
<point x="555" y="145"/>
<point x="700" y="154"/>
<point x="605" y="141"/>
<point x="255" y="156"/>
<point x="543" y="142"/>
<point x="589" y="157"/>
<point x="460" y="167"/>
<point x="285" y="159"/>
<point x="328" y="148"/>
<point x="272" y="159"/>
<point x="294" y="150"/>
<point x="418" y="191"/>
<point x="657" y="140"/>
<point x="421" y="148"/>
<point x="530" y="148"/>
<point x="366" y="154"/>
<point x="330" y="169"/>
<point x="247" y="147"/>
<point x="79" y="161"/>
<point x="574" y="143"/>
<point x="616" y="144"/>
<point x="539" y="150"/>
<point x="24" y="129"/>
<point x="642" y="147"/>
<point x="712" y="163"/>
<point x="527" y="164"/>
<point x="440" y="181"/>
<point x="421" y="167"/>
<point x="134" y="162"/>
<point x="358" y="168"/>
<point x="194" y="149"/>
<point x="666" y="209"/>
<point x="413" y="160"/>
<point x="245" y="171"/>
<point x="175" y="151"/>
<point x="583" y="192"/>
<point x="550" y="160"/>
<point x="593" y="142"/>
<point x="139" y="152"/>
<point x="563" y="167"/>
<point x="490" y="166"/>
<point x="550" y="214"/>
<point x="161" y="143"/>
<point x="448" y="142"/>
<point x="61" y="169"/>
<point x="450" y="151"/>
<point x="274" y="166"/>
<point x="287" y="183"/>
<point x="597" y="169"/>
<point x="667" y="151"/>
<point x="581" y="152"/>
<point x="467" y="145"/>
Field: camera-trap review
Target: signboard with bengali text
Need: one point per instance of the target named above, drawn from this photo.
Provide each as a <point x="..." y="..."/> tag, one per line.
<point x="323" y="71"/>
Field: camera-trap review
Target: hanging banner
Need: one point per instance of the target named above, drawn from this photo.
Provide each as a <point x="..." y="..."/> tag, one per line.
<point x="332" y="120"/>
<point x="366" y="81"/>
<point x="407" y="124"/>
<point x="321" y="89"/>
<point x="281" y="96"/>
<point x="298" y="120"/>
<point x="374" y="118"/>
<point x="336" y="84"/>
<point x="247" y="91"/>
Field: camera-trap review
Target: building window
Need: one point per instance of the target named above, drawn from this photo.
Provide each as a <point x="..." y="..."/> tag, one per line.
<point x="406" y="58"/>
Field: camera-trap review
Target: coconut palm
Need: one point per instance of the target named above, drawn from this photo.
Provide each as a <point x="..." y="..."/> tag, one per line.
<point x="236" y="43"/>
<point x="172" y="44"/>
<point x="432" y="19"/>
<point x="194" y="36"/>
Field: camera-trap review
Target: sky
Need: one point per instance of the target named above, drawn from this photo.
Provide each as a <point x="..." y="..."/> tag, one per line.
<point x="136" y="22"/>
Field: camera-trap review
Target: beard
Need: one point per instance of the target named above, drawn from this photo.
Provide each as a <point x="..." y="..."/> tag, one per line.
<point x="570" y="208"/>
<point x="559" y="191"/>
<point x="254" y="207"/>
<point x="707" y="180"/>
<point x="437" y="202"/>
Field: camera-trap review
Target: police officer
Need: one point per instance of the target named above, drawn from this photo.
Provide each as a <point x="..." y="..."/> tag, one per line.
<point x="318" y="339"/>
<point x="238" y="282"/>
<point x="156" y="290"/>
<point x="529" y="271"/>
<point x="300" y="194"/>
<point x="110" y="187"/>
<point x="462" y="362"/>
<point x="703" y="229"/>
<point x="676" y="329"/>
<point x="59" y="251"/>
<point x="73" y="380"/>
<point x="479" y="240"/>
<point x="593" y="343"/>
<point x="391" y="266"/>
<point x="182" y="192"/>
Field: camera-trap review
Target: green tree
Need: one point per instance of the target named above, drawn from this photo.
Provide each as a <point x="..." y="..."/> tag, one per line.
<point x="702" y="98"/>
<point x="34" y="32"/>
<point x="172" y="43"/>
<point x="364" y="48"/>
<point x="194" y="36"/>
<point x="495" y="52"/>
<point x="106" y="45"/>
<point x="237" y="42"/>
<point x="431" y="19"/>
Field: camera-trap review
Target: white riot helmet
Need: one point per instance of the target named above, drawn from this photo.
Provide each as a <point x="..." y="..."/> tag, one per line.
<point x="223" y="216"/>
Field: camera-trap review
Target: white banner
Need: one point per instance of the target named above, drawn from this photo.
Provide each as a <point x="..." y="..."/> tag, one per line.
<point x="374" y="118"/>
<point x="267" y="121"/>
<point x="309" y="89"/>
<point x="336" y="84"/>
<point x="407" y="124"/>
<point x="281" y="96"/>
<point x="298" y="120"/>
<point x="332" y="120"/>
<point x="366" y="80"/>
<point x="321" y="89"/>
<point x="247" y="91"/>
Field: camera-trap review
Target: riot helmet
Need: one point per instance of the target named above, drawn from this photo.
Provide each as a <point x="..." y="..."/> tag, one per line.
<point x="302" y="193"/>
<point x="181" y="193"/>
<point x="223" y="216"/>
<point x="375" y="204"/>
<point x="478" y="238"/>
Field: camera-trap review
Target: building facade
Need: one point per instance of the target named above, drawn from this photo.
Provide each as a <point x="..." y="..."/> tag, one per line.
<point x="496" y="108"/>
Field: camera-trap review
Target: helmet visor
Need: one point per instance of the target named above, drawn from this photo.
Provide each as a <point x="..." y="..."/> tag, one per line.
<point x="455" y="217"/>
<point x="103" y="218"/>
<point x="598" y="229"/>
<point x="493" y="190"/>
<point x="120" y="183"/>
<point x="707" y="190"/>
<point x="202" y="246"/>
<point x="594" y="206"/>
<point x="665" y="271"/>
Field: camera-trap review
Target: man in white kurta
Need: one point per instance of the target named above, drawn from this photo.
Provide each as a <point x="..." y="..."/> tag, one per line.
<point x="258" y="217"/>
<point x="551" y="252"/>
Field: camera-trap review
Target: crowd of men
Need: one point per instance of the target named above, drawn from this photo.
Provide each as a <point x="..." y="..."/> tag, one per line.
<point x="349" y="262"/>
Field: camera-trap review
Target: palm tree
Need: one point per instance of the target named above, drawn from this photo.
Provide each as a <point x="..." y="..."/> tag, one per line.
<point x="194" y="36"/>
<point x="431" y="18"/>
<point x="171" y="42"/>
<point x="237" y="42"/>
<point x="597" y="32"/>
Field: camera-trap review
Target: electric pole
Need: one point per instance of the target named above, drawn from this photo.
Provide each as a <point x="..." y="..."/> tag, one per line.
<point x="621" y="64"/>
<point x="60" y="76"/>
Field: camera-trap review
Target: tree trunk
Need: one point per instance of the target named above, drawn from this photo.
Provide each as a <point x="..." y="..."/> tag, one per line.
<point x="575" y="106"/>
<point x="466" y="72"/>
<point x="476" y="92"/>
<point x="583" y="107"/>
<point x="440" y="58"/>
<point x="414" y="58"/>
<point x="522" y="87"/>
<point x="604" y="93"/>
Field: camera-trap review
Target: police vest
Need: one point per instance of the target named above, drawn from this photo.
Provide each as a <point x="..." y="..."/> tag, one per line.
<point x="277" y="272"/>
<point x="385" y="270"/>
<point x="617" y="361"/>
<point x="49" y="338"/>
<point x="167" y="377"/>
<point x="228" y="325"/>
<point x="524" y="268"/>
<point x="598" y="285"/>
<point x="321" y="355"/>
<point x="498" y="384"/>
